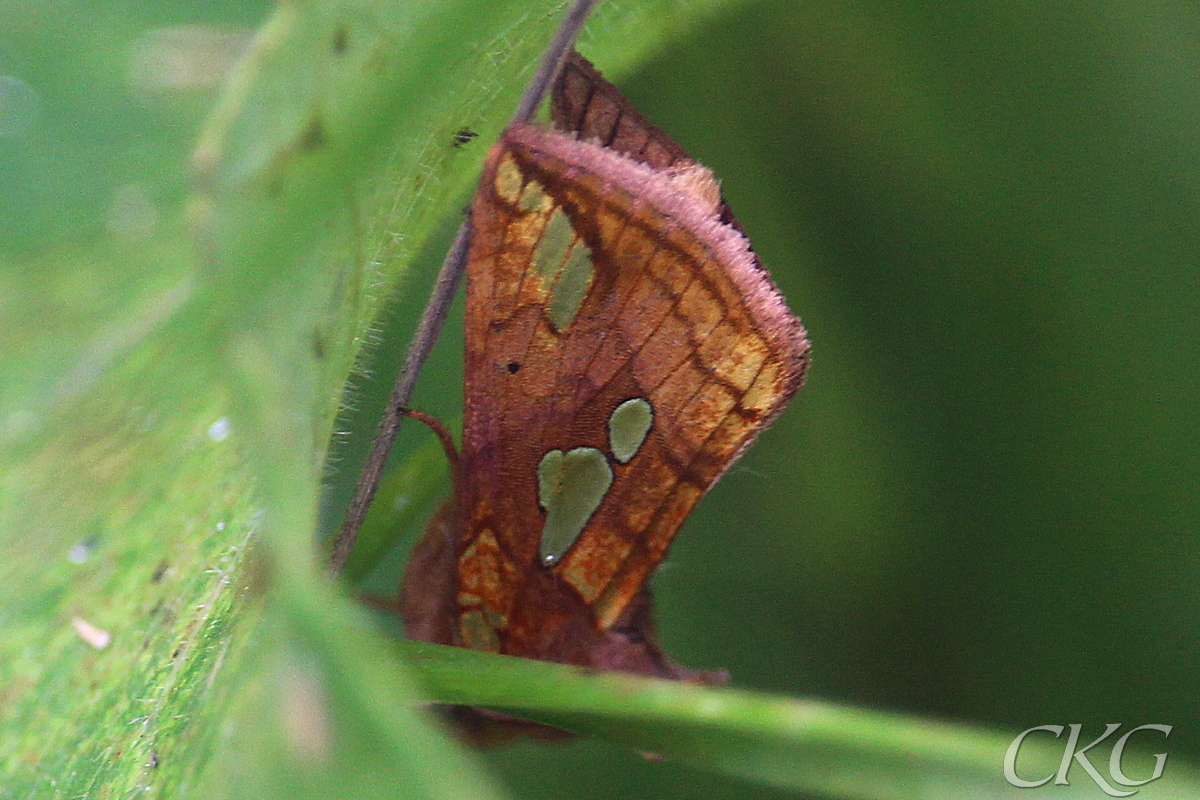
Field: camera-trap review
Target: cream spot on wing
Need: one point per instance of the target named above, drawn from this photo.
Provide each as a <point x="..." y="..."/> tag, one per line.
<point x="627" y="428"/>
<point x="477" y="633"/>
<point x="571" y="487"/>
<point x="508" y="179"/>
<point x="564" y="264"/>
<point x="534" y="198"/>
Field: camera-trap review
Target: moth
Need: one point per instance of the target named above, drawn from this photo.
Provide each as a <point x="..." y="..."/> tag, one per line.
<point x="623" y="347"/>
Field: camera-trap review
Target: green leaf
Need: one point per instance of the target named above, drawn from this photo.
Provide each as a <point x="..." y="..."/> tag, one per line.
<point x="329" y="704"/>
<point x="174" y="365"/>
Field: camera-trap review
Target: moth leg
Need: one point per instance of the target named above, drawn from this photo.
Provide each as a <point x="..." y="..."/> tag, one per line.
<point x="443" y="434"/>
<point x="427" y="591"/>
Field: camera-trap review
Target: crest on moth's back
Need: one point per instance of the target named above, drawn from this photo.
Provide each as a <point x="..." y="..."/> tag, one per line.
<point x="623" y="347"/>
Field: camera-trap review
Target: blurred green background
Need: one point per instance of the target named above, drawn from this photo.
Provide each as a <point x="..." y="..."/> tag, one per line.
<point x="982" y="507"/>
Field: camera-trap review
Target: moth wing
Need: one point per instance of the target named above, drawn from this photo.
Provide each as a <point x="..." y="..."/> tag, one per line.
<point x="594" y="281"/>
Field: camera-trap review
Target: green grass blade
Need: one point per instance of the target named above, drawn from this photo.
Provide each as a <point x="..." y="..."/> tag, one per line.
<point x="805" y="745"/>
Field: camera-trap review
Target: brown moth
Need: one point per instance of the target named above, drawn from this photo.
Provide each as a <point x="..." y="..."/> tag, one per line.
<point x="623" y="347"/>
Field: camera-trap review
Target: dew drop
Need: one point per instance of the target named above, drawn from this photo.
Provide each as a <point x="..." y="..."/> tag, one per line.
<point x="82" y="551"/>
<point x="219" y="430"/>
